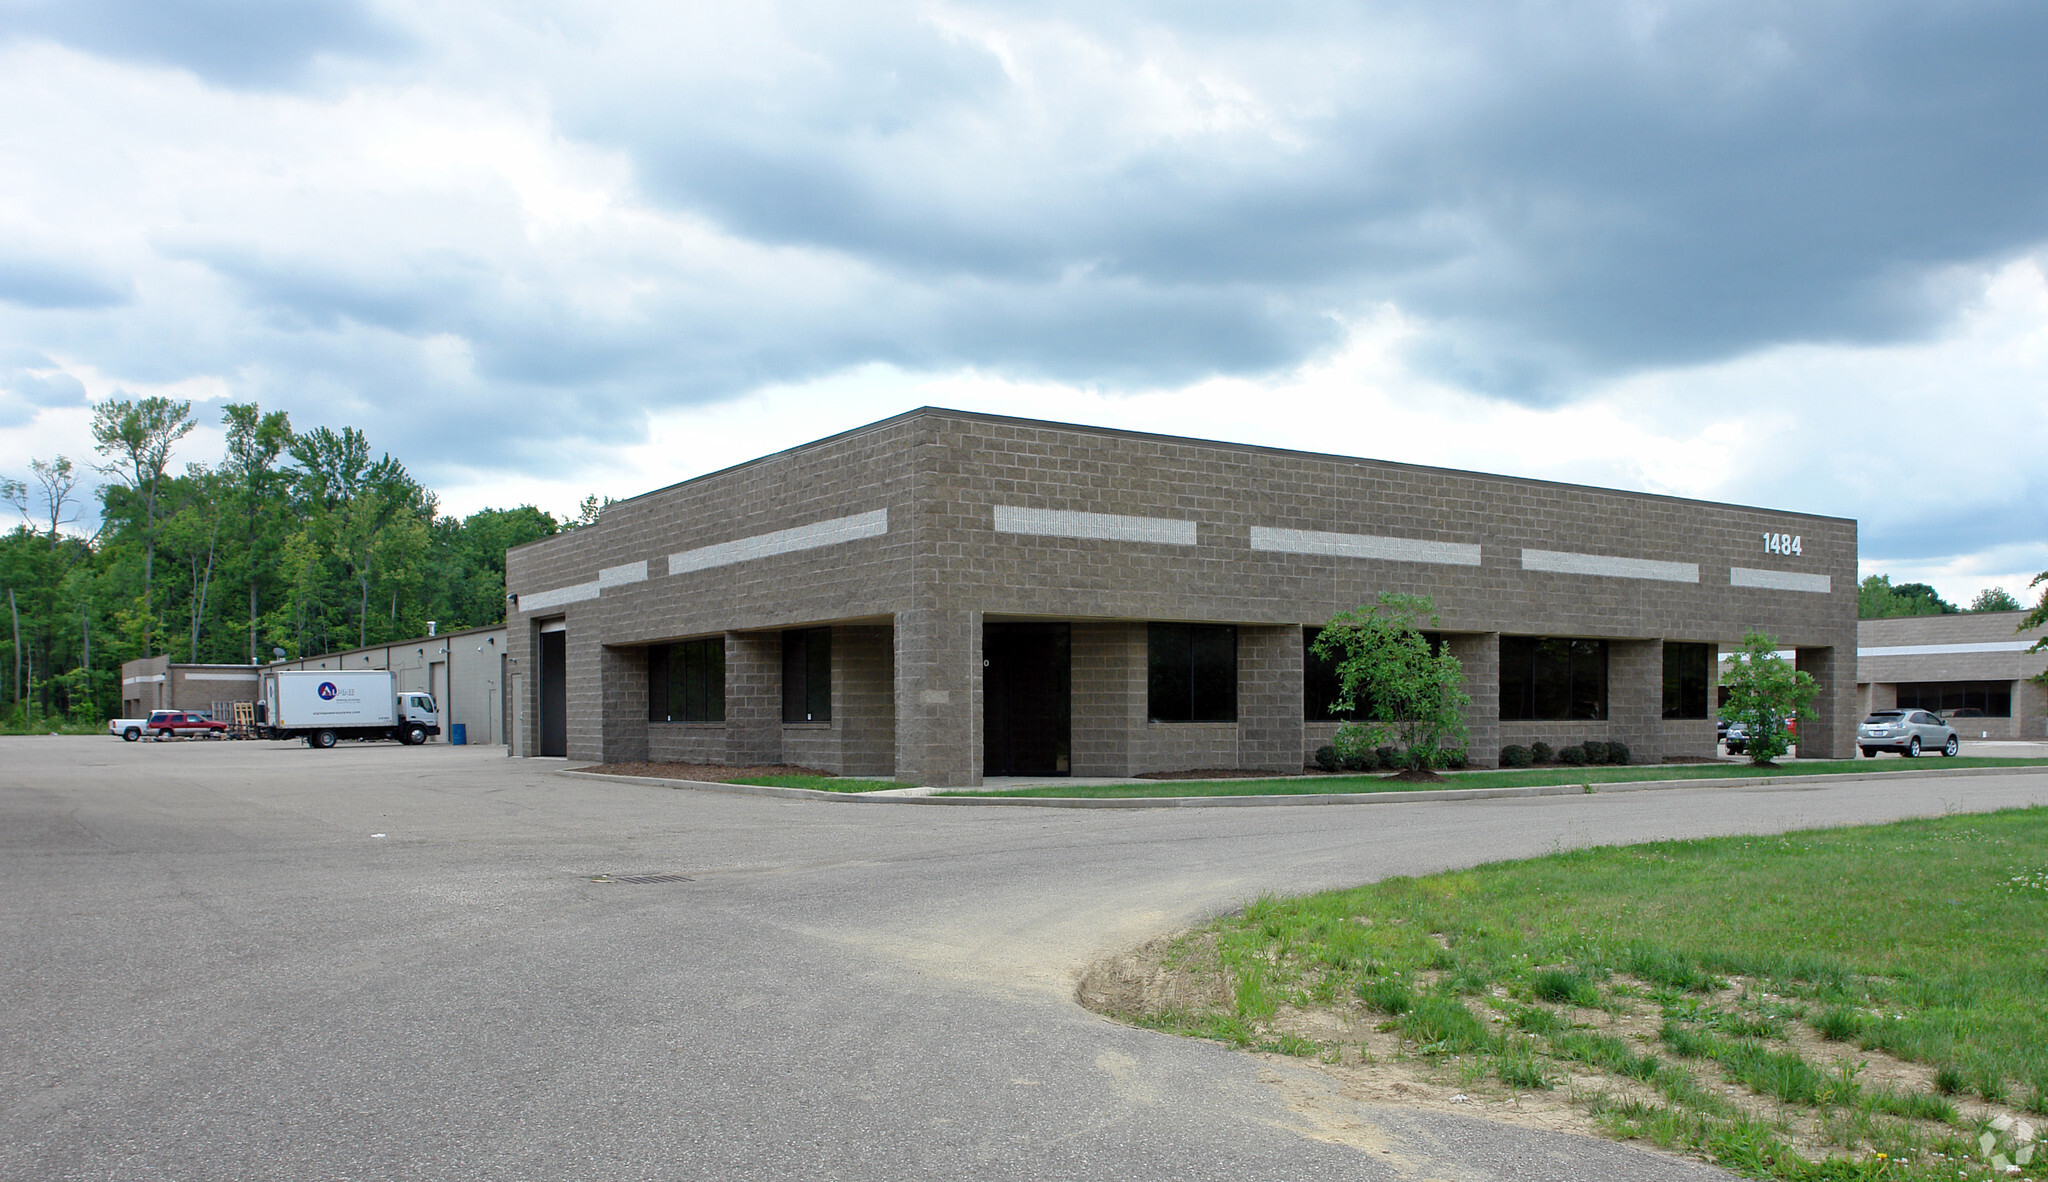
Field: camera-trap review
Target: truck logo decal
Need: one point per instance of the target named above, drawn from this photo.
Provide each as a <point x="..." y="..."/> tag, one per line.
<point x="327" y="691"/>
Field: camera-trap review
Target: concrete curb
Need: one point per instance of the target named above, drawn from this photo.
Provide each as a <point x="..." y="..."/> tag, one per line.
<point x="890" y="796"/>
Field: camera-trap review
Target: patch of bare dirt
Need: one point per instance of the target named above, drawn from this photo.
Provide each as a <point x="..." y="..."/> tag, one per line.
<point x="710" y="773"/>
<point x="1154" y="979"/>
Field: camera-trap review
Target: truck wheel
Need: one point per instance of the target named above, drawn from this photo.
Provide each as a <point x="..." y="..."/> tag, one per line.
<point x="163" y="734"/>
<point x="131" y="734"/>
<point x="415" y="734"/>
<point x="323" y="739"/>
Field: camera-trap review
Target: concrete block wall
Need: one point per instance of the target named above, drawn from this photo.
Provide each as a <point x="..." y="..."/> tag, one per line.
<point x="938" y="697"/>
<point x="864" y="699"/>
<point x="622" y="674"/>
<point x="1479" y="655"/>
<point x="688" y="742"/>
<point x="753" y="698"/>
<point x="1635" y="698"/>
<point x="1827" y="729"/>
<point x="1103" y="656"/>
<point x="1270" y="727"/>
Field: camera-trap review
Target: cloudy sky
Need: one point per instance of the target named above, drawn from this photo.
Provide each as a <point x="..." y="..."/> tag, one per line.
<point x="1788" y="254"/>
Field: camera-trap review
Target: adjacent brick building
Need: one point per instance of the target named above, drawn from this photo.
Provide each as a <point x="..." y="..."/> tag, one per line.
<point x="1974" y="669"/>
<point x="945" y="595"/>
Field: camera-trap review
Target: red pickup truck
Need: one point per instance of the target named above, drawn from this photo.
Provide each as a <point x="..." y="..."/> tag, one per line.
<point x="166" y="723"/>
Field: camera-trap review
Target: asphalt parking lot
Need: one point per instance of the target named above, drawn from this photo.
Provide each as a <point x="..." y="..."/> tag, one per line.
<point x="255" y="961"/>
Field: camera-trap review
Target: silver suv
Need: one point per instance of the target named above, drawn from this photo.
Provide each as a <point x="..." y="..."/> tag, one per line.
<point x="1908" y="732"/>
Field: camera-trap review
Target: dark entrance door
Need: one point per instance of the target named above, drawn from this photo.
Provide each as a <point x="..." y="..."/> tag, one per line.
<point x="554" y="693"/>
<point x="1026" y="691"/>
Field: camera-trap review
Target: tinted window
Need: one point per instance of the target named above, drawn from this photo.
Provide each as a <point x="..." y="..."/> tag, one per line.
<point x="807" y="675"/>
<point x="686" y="681"/>
<point x="1994" y="698"/>
<point x="1191" y="672"/>
<point x="1321" y="684"/>
<point x="1685" y="680"/>
<point x="1553" y="678"/>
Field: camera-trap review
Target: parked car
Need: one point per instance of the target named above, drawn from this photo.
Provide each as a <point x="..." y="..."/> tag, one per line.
<point x="1908" y="732"/>
<point x="166" y="724"/>
<point x="1736" y="734"/>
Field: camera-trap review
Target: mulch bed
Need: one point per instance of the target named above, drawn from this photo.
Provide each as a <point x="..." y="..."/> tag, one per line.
<point x="1238" y="773"/>
<point x="711" y="773"/>
<point x="1209" y="773"/>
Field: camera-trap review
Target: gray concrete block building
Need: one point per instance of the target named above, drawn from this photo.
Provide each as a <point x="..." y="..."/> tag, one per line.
<point x="463" y="670"/>
<point x="1974" y="669"/>
<point x="159" y="683"/>
<point x="944" y="596"/>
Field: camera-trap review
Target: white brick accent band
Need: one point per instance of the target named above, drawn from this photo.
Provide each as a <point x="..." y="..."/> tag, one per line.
<point x="1943" y="650"/>
<point x="1566" y="563"/>
<point x="542" y="600"/>
<point x="1779" y="580"/>
<point x="249" y="676"/>
<point x="1109" y="527"/>
<point x="142" y="680"/>
<point x="782" y="541"/>
<point x="619" y="576"/>
<point x="1309" y="541"/>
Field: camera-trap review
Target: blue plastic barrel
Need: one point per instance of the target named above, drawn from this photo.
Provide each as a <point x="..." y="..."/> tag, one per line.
<point x="458" y="734"/>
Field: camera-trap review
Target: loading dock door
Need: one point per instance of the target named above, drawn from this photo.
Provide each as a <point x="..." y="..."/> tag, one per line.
<point x="1027" y="722"/>
<point x="554" y="692"/>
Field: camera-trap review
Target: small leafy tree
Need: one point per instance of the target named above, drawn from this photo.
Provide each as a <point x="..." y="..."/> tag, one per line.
<point x="1996" y="599"/>
<point x="1400" y="691"/>
<point x="1764" y="691"/>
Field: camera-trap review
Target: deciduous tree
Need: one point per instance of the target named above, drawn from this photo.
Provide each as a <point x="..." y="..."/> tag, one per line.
<point x="1399" y="689"/>
<point x="1764" y="693"/>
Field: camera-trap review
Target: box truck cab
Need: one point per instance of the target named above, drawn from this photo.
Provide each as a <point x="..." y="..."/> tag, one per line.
<point x="324" y="708"/>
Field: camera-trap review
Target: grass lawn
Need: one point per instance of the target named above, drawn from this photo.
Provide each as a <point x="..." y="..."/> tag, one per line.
<point x="1832" y="1004"/>
<point x="817" y="783"/>
<point x="1509" y="778"/>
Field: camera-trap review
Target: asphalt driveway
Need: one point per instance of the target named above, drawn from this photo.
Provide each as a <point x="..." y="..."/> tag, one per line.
<point x="257" y="961"/>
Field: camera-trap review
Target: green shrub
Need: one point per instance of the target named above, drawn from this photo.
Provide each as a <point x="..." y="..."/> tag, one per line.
<point x="1541" y="752"/>
<point x="1388" y="759"/>
<point x="1458" y="761"/>
<point x="1617" y="752"/>
<point x="1573" y="756"/>
<point x="1514" y="755"/>
<point x="1326" y="758"/>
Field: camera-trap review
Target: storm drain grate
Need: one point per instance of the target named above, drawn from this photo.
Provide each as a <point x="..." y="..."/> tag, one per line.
<point x="641" y="879"/>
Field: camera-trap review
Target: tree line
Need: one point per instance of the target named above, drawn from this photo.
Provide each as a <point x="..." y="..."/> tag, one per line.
<point x="299" y="541"/>
<point x="1878" y="599"/>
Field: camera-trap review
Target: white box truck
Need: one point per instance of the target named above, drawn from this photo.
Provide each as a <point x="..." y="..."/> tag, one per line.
<point x="324" y="707"/>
